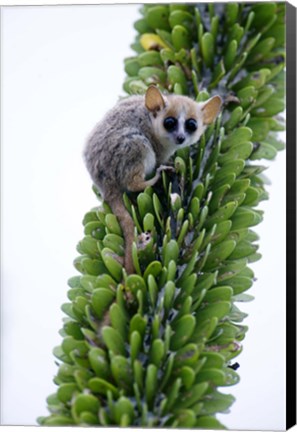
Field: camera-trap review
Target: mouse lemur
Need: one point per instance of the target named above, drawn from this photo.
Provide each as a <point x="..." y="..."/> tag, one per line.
<point x="137" y="136"/>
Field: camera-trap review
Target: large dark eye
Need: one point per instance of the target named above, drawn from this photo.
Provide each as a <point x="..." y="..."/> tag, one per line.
<point x="190" y="125"/>
<point x="170" y="123"/>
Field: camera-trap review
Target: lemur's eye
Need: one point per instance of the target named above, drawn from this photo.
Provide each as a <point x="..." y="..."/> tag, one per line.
<point x="191" y="125"/>
<point x="170" y="123"/>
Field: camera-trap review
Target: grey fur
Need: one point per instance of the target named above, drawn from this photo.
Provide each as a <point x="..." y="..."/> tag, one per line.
<point x="119" y="142"/>
<point x="128" y="144"/>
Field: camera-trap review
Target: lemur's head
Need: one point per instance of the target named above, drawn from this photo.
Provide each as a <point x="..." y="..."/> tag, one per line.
<point x="179" y="121"/>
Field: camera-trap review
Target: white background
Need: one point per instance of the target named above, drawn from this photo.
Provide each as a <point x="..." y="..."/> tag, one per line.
<point x="62" y="68"/>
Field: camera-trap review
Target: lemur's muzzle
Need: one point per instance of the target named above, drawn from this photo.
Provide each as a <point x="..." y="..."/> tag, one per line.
<point x="180" y="139"/>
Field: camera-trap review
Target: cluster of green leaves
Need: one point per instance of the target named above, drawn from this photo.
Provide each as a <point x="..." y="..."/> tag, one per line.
<point x="152" y="348"/>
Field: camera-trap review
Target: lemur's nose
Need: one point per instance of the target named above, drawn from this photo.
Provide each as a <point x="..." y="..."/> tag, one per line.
<point x="180" y="139"/>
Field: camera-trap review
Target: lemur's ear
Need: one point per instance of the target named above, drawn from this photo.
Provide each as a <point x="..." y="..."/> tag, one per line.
<point x="153" y="99"/>
<point x="211" y="109"/>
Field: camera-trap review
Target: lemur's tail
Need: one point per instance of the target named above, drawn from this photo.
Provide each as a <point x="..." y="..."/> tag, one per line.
<point x="117" y="205"/>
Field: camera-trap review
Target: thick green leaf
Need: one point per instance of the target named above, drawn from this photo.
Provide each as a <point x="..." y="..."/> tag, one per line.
<point x="217" y="310"/>
<point x="66" y="391"/>
<point x="113" y="340"/>
<point x="101" y="299"/>
<point x="219" y="253"/>
<point x="157" y="17"/>
<point x="99" y="362"/>
<point x="217" y="402"/>
<point x="122" y="373"/>
<point x="181" y="37"/>
<point x="238" y="135"/>
<point x="207" y="48"/>
<point x="183" y="329"/>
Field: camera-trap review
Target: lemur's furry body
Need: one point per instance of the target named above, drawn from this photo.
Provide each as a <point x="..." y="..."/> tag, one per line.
<point x="131" y="141"/>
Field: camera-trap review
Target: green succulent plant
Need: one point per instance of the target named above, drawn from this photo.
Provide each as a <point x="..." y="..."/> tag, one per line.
<point x="152" y="348"/>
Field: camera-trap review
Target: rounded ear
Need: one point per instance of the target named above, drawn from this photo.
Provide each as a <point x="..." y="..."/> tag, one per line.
<point x="211" y="109"/>
<point x="153" y="99"/>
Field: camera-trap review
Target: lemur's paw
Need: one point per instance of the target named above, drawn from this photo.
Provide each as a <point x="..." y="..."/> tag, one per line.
<point x="165" y="168"/>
